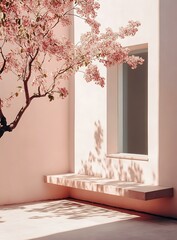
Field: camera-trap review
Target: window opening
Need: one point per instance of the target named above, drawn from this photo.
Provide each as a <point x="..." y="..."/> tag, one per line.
<point x="133" y="106"/>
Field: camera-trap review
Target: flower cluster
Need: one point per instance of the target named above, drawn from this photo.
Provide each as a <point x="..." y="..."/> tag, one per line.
<point x="87" y="9"/>
<point x="30" y="42"/>
<point x="105" y="49"/>
<point x="92" y="74"/>
<point x="129" y="30"/>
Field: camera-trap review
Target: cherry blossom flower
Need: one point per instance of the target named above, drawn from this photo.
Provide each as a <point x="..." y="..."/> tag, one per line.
<point x="92" y="74"/>
<point x="30" y="42"/>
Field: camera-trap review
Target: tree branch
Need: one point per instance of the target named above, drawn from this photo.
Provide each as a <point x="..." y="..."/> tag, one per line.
<point x="3" y="123"/>
<point x="4" y="61"/>
<point x="23" y="109"/>
<point x="26" y="80"/>
<point x="18" y="117"/>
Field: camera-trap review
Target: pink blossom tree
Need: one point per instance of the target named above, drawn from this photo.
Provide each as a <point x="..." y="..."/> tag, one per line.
<point x="30" y="39"/>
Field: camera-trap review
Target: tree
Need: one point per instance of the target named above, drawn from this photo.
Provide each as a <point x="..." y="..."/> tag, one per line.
<point x="30" y="39"/>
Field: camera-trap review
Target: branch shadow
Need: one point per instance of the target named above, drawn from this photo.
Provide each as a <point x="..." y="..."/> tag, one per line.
<point x="12" y="207"/>
<point x="68" y="208"/>
<point x="72" y="219"/>
<point x="98" y="136"/>
<point x="105" y="167"/>
<point x="1" y="221"/>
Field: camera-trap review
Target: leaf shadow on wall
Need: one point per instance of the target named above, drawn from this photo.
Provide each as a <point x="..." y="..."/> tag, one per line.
<point x="99" y="165"/>
<point x="98" y="137"/>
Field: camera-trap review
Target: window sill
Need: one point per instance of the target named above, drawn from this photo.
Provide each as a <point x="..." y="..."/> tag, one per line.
<point x="128" y="156"/>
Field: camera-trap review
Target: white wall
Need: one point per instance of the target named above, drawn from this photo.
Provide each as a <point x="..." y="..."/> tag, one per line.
<point x="168" y="100"/>
<point x="91" y="107"/>
<point x="91" y="101"/>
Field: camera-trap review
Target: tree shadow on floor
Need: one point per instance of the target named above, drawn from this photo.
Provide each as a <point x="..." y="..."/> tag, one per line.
<point x="1" y="221"/>
<point x="70" y="209"/>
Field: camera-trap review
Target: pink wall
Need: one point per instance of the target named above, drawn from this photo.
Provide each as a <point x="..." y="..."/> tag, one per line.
<point x="38" y="146"/>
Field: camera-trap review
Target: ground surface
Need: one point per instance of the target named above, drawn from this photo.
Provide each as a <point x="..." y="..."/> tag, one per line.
<point x="74" y="220"/>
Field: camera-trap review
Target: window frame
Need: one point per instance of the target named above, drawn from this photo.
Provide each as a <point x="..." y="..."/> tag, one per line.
<point x="114" y="111"/>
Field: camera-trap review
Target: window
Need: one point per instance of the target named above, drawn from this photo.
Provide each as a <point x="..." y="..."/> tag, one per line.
<point x="128" y="107"/>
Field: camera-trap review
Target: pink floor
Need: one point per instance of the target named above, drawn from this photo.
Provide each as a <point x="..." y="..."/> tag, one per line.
<point x="73" y="220"/>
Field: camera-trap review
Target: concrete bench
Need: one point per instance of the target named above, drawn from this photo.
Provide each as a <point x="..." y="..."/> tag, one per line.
<point x="110" y="186"/>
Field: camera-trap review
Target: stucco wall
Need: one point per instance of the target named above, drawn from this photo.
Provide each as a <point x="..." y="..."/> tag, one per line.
<point x="168" y="100"/>
<point x="92" y="114"/>
<point x="94" y="99"/>
<point x="38" y="146"/>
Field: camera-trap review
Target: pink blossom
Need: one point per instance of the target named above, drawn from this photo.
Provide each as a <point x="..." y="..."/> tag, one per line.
<point x="92" y="74"/>
<point x="63" y="92"/>
<point x="30" y="42"/>
<point x="129" y="30"/>
<point x="133" y="61"/>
